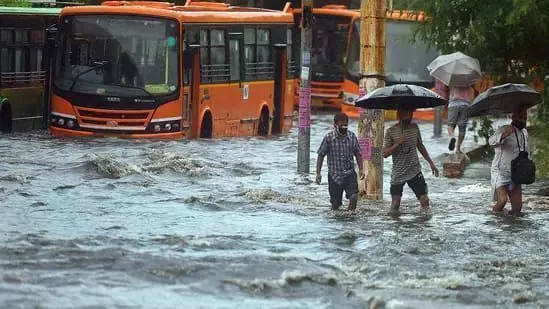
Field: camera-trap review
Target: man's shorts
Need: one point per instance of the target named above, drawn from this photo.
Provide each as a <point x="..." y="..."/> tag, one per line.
<point x="457" y="115"/>
<point x="350" y="186"/>
<point x="417" y="184"/>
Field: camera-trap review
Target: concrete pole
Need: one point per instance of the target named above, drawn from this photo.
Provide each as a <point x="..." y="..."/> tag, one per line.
<point x="438" y="121"/>
<point x="442" y="90"/>
<point x="371" y="125"/>
<point x="304" y="124"/>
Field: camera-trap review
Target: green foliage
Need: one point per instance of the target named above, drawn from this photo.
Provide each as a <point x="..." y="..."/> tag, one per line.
<point x="485" y="131"/>
<point x="540" y="134"/>
<point x="15" y="3"/>
<point x="509" y="37"/>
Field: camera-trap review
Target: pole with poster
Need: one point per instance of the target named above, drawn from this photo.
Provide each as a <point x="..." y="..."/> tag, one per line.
<point x="304" y="120"/>
<point x="371" y="125"/>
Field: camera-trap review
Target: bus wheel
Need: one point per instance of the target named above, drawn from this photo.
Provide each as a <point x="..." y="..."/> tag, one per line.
<point x="263" y="129"/>
<point x="5" y="117"/>
<point x="207" y="126"/>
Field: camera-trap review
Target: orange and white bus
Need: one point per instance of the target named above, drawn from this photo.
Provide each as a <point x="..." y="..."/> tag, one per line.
<point x="335" y="56"/>
<point x="143" y="69"/>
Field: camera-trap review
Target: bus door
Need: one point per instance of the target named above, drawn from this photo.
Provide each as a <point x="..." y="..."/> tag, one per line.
<point x="48" y="67"/>
<point x="191" y="67"/>
<point x="280" y="61"/>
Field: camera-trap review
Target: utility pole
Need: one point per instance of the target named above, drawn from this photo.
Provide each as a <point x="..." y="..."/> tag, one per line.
<point x="441" y="90"/>
<point x="438" y="121"/>
<point x="304" y="122"/>
<point x="372" y="63"/>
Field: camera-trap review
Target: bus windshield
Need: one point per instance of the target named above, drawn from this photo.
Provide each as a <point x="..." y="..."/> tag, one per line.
<point x="405" y="62"/>
<point x="118" y="55"/>
<point x="329" y="42"/>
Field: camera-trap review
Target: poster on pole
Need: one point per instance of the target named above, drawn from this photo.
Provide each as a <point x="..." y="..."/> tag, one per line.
<point x="365" y="148"/>
<point x="304" y="117"/>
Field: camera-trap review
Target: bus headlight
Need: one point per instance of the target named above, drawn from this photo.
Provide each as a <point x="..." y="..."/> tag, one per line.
<point x="63" y="121"/>
<point x="164" y="126"/>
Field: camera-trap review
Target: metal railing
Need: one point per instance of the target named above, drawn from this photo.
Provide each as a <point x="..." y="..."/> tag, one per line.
<point x="22" y="78"/>
<point x="215" y="73"/>
<point x="258" y="70"/>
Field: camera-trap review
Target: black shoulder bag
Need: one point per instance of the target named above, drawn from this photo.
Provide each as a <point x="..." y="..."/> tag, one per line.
<point x="523" y="170"/>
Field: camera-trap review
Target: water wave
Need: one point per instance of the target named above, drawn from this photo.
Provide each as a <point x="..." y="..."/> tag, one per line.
<point x="160" y="161"/>
<point x="287" y="279"/>
<point x="108" y="166"/>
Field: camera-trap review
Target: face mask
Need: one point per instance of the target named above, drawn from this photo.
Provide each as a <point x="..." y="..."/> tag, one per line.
<point x="519" y="124"/>
<point x="342" y="130"/>
<point x="406" y="121"/>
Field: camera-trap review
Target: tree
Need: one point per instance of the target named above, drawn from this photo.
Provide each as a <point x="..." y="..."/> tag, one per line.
<point x="509" y="37"/>
<point x="17" y="3"/>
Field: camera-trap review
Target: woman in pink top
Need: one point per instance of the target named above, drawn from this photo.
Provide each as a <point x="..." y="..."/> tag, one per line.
<point x="459" y="100"/>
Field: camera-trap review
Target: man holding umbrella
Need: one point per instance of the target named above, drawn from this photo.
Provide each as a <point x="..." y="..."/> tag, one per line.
<point x="402" y="141"/>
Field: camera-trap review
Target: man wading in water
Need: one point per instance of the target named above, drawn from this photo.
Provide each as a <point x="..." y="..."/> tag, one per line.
<point x="340" y="145"/>
<point x="402" y="142"/>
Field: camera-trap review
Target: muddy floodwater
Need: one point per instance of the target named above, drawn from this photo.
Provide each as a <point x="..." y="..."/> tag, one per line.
<point x="227" y="223"/>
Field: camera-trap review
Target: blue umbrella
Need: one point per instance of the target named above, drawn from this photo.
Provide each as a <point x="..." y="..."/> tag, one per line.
<point x="504" y="99"/>
<point x="401" y="96"/>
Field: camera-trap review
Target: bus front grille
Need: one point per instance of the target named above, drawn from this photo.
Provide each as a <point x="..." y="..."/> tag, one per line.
<point x="92" y="118"/>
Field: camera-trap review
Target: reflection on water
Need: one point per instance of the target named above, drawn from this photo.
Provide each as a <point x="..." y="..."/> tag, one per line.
<point x="113" y="223"/>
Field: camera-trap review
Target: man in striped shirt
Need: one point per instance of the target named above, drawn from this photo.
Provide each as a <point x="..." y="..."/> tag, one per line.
<point x="402" y="141"/>
<point x="340" y="145"/>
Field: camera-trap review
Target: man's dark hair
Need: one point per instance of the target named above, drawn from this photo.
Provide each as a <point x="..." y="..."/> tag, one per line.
<point x="341" y="117"/>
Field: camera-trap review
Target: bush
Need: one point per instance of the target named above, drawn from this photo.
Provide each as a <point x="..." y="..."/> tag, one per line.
<point x="15" y="3"/>
<point x="486" y="130"/>
<point x="540" y="133"/>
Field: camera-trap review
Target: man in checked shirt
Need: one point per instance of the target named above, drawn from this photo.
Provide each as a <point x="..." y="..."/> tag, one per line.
<point x="340" y="145"/>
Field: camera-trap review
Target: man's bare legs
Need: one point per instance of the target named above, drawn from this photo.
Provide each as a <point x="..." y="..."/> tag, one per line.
<point x="395" y="202"/>
<point x="424" y="202"/>
<point x="461" y="137"/>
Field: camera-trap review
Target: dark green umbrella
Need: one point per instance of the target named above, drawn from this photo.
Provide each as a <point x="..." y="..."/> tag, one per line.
<point x="504" y="99"/>
<point x="401" y="96"/>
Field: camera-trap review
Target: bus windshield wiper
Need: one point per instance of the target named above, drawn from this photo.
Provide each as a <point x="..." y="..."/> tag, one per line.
<point x="96" y="65"/>
<point x="134" y="87"/>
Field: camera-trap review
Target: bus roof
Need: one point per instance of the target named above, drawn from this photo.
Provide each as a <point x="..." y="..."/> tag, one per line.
<point x="341" y="10"/>
<point x="191" y="12"/>
<point x="9" y="10"/>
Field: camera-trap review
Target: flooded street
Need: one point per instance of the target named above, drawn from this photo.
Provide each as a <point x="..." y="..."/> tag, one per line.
<point x="111" y="223"/>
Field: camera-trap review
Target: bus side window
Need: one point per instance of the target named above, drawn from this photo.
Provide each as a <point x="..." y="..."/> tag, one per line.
<point x="234" y="56"/>
<point x="204" y="56"/>
<point x="264" y="54"/>
<point x="291" y="63"/>
<point x="218" y="56"/>
<point x="249" y="54"/>
<point x="6" y="54"/>
<point x="353" y="62"/>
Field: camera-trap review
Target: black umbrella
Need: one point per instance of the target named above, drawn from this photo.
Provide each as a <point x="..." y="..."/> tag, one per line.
<point x="504" y="99"/>
<point x="401" y="96"/>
